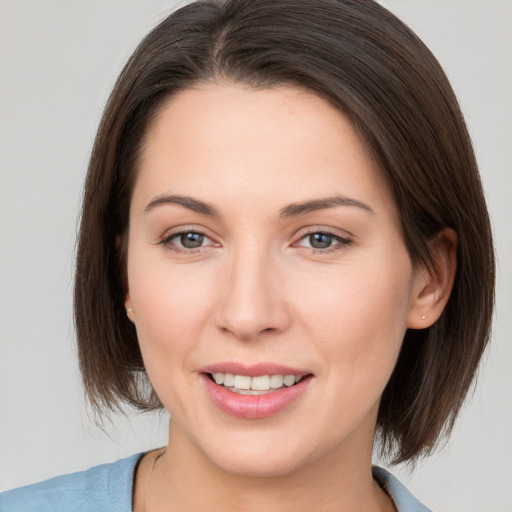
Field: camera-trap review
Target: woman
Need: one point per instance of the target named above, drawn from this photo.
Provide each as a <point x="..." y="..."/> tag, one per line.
<point x="284" y="242"/>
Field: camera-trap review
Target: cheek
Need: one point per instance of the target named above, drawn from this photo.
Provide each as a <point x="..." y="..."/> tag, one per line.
<point x="358" y="314"/>
<point x="171" y="307"/>
<point x="170" y="311"/>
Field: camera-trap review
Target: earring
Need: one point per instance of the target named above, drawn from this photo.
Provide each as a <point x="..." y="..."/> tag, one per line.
<point x="129" y="314"/>
<point x="423" y="317"/>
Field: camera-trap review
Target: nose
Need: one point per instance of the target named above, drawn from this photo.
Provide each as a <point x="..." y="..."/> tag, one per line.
<point x="252" y="299"/>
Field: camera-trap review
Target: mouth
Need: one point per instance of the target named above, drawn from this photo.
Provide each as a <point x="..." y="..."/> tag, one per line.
<point x="255" y="386"/>
<point x="256" y="391"/>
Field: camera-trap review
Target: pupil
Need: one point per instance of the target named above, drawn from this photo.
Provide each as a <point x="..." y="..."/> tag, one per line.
<point x="320" y="240"/>
<point x="191" y="240"/>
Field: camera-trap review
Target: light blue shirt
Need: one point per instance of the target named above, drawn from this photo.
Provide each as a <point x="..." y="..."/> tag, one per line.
<point x="109" y="488"/>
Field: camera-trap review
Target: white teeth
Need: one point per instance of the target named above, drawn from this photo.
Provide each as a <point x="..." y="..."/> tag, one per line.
<point x="289" y="380"/>
<point x="260" y="383"/>
<point x="276" y="381"/>
<point x="247" y="385"/>
<point x="229" y="379"/>
<point x="242" y="382"/>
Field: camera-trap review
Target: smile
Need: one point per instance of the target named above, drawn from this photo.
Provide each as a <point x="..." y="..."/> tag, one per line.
<point x="258" y="385"/>
<point x="254" y="391"/>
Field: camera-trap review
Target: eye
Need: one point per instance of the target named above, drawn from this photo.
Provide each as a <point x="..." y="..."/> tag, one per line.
<point x="320" y="240"/>
<point x="189" y="240"/>
<point x="186" y="241"/>
<point x="323" y="241"/>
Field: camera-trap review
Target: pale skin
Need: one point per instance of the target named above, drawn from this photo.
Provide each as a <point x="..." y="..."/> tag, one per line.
<point x="259" y="287"/>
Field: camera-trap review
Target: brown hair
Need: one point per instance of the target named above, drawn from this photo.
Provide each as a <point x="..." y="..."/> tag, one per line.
<point x="368" y="64"/>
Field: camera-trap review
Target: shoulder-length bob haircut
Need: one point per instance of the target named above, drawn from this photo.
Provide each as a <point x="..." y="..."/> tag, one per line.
<point x="375" y="70"/>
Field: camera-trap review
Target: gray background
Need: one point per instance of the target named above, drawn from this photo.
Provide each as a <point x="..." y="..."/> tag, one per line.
<point x="58" y="61"/>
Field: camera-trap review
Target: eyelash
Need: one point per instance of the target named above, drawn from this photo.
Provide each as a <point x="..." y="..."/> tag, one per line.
<point x="341" y="242"/>
<point x="167" y="241"/>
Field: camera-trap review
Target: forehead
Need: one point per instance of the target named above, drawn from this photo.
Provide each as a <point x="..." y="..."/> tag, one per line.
<point x="235" y="143"/>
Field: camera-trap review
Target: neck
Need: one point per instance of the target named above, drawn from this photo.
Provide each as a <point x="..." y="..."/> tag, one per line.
<point x="182" y="478"/>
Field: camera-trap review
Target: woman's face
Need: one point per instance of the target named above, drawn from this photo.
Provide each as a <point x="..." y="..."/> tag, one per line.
<point x="264" y="244"/>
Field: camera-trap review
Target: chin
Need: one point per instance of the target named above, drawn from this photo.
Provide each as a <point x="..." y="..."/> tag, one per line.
<point x="259" y="455"/>
<point x="258" y="466"/>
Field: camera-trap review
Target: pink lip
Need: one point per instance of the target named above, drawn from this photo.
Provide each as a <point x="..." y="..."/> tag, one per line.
<point x="253" y="370"/>
<point x="253" y="406"/>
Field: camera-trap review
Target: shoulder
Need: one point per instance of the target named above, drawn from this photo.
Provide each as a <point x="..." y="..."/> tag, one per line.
<point x="403" y="499"/>
<point x="86" y="491"/>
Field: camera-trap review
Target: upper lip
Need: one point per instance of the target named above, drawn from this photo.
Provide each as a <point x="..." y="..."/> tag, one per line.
<point x="253" y="370"/>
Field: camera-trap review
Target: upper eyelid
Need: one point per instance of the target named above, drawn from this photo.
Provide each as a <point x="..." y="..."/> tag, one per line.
<point x="335" y="232"/>
<point x="179" y="230"/>
<point x="337" y="238"/>
<point x="341" y="235"/>
<point x="326" y="233"/>
<point x="170" y="236"/>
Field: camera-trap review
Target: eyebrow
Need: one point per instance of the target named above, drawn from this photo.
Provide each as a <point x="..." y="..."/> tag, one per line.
<point x="292" y="210"/>
<point x="185" y="201"/>
<point x="296" y="209"/>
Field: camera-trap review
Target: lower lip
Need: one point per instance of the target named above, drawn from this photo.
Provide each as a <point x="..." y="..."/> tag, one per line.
<point x="254" y="406"/>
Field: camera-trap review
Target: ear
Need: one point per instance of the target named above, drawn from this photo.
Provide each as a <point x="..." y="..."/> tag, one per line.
<point x="129" y="308"/>
<point x="433" y="284"/>
<point x="121" y="247"/>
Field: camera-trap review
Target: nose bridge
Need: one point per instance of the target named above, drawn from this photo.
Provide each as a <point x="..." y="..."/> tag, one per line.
<point x="253" y="301"/>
